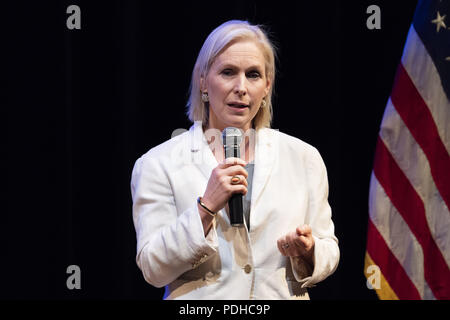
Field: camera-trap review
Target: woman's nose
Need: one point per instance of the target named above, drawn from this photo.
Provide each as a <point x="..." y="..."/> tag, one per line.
<point x="239" y="87"/>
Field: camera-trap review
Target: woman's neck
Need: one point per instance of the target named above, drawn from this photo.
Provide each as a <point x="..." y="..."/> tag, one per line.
<point x="247" y="150"/>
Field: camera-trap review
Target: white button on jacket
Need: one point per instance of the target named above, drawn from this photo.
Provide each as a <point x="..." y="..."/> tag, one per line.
<point x="290" y="188"/>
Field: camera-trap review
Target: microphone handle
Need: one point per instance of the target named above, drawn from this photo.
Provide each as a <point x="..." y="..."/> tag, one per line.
<point x="235" y="203"/>
<point x="236" y="210"/>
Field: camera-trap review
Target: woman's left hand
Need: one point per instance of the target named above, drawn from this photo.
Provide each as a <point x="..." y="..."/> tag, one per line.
<point x="299" y="243"/>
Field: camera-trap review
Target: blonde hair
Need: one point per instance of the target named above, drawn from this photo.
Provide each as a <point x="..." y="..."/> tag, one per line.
<point x="218" y="39"/>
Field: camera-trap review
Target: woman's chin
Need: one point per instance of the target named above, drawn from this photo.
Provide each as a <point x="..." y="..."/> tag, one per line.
<point x="238" y="121"/>
<point x="232" y="120"/>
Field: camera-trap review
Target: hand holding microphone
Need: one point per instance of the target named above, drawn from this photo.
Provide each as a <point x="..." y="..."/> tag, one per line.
<point x="221" y="187"/>
<point x="228" y="181"/>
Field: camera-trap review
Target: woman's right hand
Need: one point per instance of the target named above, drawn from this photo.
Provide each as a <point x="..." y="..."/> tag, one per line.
<point x="219" y="188"/>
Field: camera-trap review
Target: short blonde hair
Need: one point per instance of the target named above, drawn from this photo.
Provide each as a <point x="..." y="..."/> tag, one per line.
<point x="218" y="39"/>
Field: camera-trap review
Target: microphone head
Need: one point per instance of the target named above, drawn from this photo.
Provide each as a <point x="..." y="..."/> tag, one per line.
<point x="231" y="137"/>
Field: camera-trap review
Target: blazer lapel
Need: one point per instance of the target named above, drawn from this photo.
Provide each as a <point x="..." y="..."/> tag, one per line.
<point x="266" y="153"/>
<point x="201" y="154"/>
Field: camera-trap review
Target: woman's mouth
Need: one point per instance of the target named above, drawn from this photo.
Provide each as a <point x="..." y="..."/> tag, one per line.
<point x="238" y="105"/>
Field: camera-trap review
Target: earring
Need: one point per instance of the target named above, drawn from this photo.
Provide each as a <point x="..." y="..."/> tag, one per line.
<point x="263" y="103"/>
<point x="205" y="97"/>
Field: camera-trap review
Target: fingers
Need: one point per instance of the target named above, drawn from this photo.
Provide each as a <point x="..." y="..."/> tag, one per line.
<point x="238" y="188"/>
<point x="234" y="174"/>
<point x="304" y="230"/>
<point x="296" y="243"/>
<point x="236" y="171"/>
<point x="303" y="233"/>
<point x="286" y="245"/>
<point x="229" y="177"/>
<point x="234" y="167"/>
<point x="301" y="241"/>
<point x="234" y="181"/>
<point x="305" y="236"/>
<point x="238" y="183"/>
<point x="231" y="162"/>
<point x="238" y="179"/>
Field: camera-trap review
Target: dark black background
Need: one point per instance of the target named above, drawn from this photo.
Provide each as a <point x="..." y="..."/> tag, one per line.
<point x="80" y="106"/>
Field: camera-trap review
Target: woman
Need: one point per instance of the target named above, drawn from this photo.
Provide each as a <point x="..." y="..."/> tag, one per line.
<point x="181" y="188"/>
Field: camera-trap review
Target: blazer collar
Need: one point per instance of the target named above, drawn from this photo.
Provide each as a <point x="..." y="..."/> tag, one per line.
<point x="266" y="153"/>
<point x="201" y="154"/>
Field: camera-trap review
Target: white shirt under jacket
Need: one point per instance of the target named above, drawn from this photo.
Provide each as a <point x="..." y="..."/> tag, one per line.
<point x="290" y="188"/>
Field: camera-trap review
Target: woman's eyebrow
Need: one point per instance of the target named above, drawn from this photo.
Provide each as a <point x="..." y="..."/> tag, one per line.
<point x="228" y="65"/>
<point x="234" y="66"/>
<point x="255" y="67"/>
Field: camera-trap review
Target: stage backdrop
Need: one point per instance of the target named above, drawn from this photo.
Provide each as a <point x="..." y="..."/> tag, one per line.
<point x="81" y="105"/>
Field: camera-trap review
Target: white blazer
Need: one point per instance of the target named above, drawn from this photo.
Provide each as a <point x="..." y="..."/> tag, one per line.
<point x="290" y="188"/>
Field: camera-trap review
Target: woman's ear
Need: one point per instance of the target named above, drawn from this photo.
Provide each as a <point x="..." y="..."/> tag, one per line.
<point x="202" y="84"/>
<point x="267" y="88"/>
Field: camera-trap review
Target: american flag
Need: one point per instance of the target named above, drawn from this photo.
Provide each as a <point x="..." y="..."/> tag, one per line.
<point x="409" y="219"/>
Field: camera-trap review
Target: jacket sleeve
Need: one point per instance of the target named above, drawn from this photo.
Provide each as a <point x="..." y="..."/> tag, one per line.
<point x="169" y="243"/>
<point x="326" y="250"/>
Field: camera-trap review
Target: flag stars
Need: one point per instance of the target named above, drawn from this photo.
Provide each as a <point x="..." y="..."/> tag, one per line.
<point x="439" y="22"/>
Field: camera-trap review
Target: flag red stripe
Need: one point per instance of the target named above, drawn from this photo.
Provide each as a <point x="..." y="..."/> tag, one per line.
<point x="390" y="267"/>
<point x="410" y="206"/>
<point x="415" y="114"/>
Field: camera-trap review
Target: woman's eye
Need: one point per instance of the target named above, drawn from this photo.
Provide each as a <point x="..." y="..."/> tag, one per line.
<point x="254" y="74"/>
<point x="227" y="72"/>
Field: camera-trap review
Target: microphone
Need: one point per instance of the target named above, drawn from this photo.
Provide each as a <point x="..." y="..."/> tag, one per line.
<point x="232" y="138"/>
